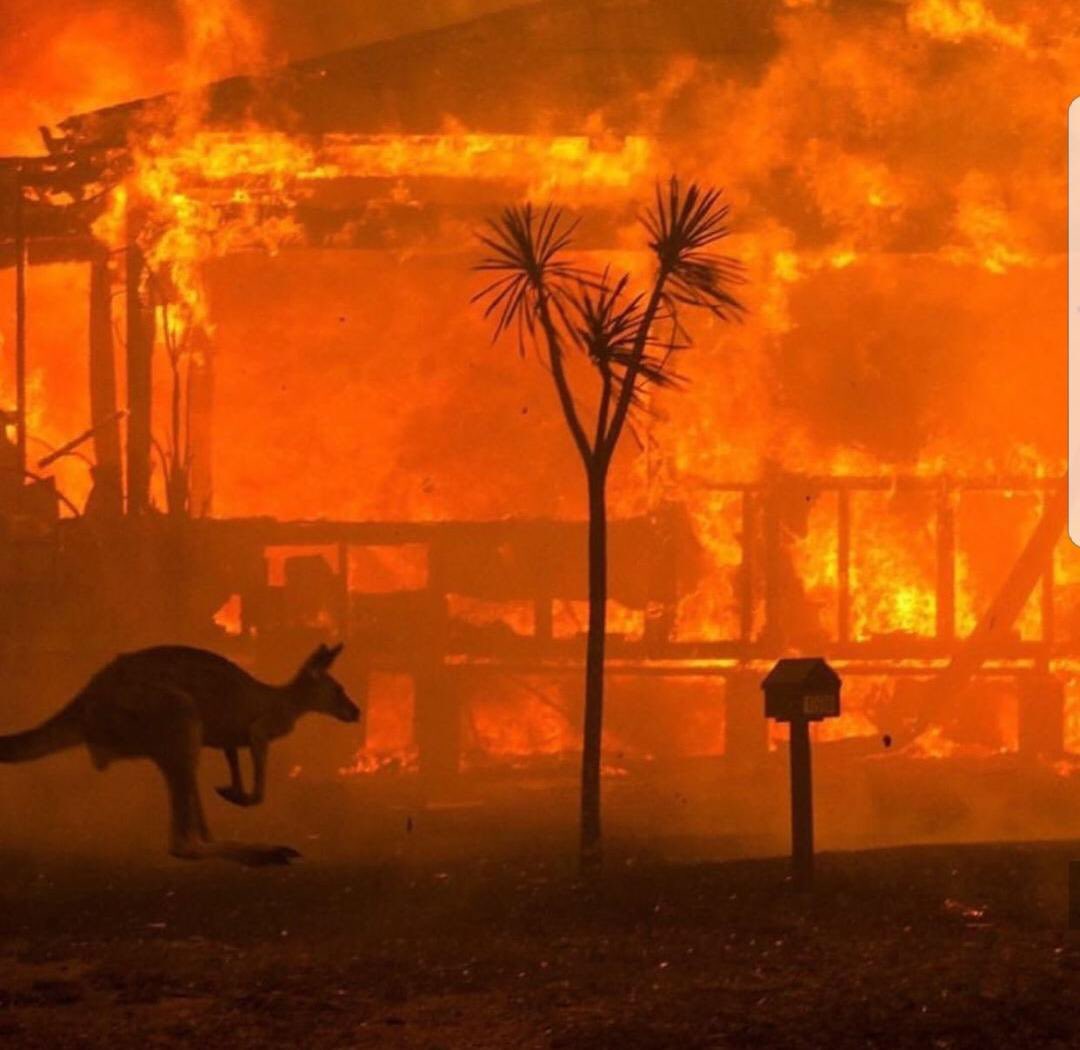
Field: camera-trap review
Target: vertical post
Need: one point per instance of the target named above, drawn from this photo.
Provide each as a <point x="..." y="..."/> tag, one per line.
<point x="437" y="723"/>
<point x="1040" y="714"/>
<point x="775" y="621"/>
<point x="200" y="422"/>
<point x="802" y="806"/>
<point x="746" y="581"/>
<point x="843" y="565"/>
<point x="436" y="693"/>
<point x="20" y="326"/>
<point x="746" y="737"/>
<point x="140" y="340"/>
<point x="661" y="581"/>
<point x="946" y="567"/>
<point x="103" y="384"/>
<point x="1047" y="598"/>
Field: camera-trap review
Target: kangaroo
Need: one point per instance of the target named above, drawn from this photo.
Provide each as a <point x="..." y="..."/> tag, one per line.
<point x="166" y="704"/>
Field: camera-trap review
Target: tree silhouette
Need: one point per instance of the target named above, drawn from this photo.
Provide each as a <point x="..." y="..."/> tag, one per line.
<point x="631" y="339"/>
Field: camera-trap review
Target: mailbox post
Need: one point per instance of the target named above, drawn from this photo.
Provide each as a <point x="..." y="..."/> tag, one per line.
<point x="800" y="692"/>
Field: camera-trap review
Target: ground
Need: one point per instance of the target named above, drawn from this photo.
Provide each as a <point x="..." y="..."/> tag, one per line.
<point x="936" y="946"/>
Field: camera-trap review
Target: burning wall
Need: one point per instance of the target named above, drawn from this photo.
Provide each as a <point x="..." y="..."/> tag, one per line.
<point x="917" y="256"/>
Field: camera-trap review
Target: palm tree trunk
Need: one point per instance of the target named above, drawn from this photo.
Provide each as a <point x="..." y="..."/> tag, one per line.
<point x="594" y="670"/>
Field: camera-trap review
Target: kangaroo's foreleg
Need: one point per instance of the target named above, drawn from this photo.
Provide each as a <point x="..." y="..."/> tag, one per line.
<point x="259" y="744"/>
<point x="234" y="792"/>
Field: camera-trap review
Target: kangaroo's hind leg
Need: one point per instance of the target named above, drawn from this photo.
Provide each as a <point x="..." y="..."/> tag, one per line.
<point x="189" y="837"/>
<point x="177" y="756"/>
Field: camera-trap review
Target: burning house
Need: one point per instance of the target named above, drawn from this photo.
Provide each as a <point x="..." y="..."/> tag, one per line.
<point x="297" y="427"/>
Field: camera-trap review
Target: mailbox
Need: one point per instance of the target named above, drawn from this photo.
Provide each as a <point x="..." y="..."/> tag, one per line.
<point x="800" y="692"/>
<point x="806" y="689"/>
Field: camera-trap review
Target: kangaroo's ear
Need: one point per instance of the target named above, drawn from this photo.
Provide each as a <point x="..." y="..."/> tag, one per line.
<point x="320" y="660"/>
<point x="316" y="662"/>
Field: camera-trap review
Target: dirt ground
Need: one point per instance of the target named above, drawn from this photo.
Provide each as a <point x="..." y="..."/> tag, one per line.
<point x="940" y="946"/>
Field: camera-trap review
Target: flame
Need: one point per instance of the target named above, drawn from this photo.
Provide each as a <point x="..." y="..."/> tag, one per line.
<point x="958" y="20"/>
<point x="230" y="616"/>
<point x="886" y="251"/>
<point x="221" y="37"/>
<point x="388" y="721"/>
<point x="521" y="723"/>
<point x="933" y="743"/>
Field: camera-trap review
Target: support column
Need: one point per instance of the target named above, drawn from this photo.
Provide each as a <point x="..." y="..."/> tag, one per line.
<point x="437" y="713"/>
<point x="1047" y="604"/>
<point x="1041" y="715"/>
<point x="775" y="620"/>
<point x="746" y="571"/>
<point x="436" y="694"/>
<point x="746" y="732"/>
<point x="946" y="568"/>
<point x="103" y="419"/>
<point x="200" y="424"/>
<point x="843" y="565"/>
<point x="140" y="346"/>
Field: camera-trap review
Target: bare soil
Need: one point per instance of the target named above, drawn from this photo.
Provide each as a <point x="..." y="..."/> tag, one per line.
<point x="939" y="946"/>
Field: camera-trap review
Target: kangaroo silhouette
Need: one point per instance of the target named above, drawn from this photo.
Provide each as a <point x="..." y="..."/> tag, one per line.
<point x="169" y="702"/>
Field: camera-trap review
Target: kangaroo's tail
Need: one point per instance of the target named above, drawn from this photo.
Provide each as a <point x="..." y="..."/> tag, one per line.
<point x="55" y="734"/>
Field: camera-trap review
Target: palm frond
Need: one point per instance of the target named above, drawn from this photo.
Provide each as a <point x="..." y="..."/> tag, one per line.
<point x="682" y="227"/>
<point x="606" y="318"/>
<point x="526" y="251"/>
<point x="608" y="326"/>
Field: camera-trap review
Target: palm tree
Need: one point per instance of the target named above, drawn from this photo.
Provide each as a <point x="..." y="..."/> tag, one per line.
<point x="630" y="339"/>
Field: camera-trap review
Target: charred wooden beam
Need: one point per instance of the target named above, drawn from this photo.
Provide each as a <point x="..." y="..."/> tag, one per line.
<point x="140" y="343"/>
<point x="1041" y="715"/>
<point x="44" y="251"/>
<point x="775" y="625"/>
<point x="746" y="734"/>
<point x="843" y="566"/>
<point x="200" y="421"/>
<point x="945" y="611"/>
<point x="103" y="410"/>
<point x="746" y="570"/>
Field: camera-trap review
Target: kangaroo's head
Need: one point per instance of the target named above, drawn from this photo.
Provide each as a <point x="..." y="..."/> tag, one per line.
<point x="315" y="689"/>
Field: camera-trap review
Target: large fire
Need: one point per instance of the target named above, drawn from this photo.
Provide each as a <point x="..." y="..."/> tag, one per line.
<point x="893" y="284"/>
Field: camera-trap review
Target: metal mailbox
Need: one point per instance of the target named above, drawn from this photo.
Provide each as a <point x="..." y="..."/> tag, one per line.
<point x="801" y="691"/>
<point x="804" y="689"/>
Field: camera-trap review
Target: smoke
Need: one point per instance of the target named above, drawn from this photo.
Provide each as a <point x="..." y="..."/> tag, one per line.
<point x="82" y="55"/>
<point x="221" y="38"/>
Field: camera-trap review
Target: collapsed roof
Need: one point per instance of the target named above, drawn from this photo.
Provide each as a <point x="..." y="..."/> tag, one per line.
<point x="546" y="68"/>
